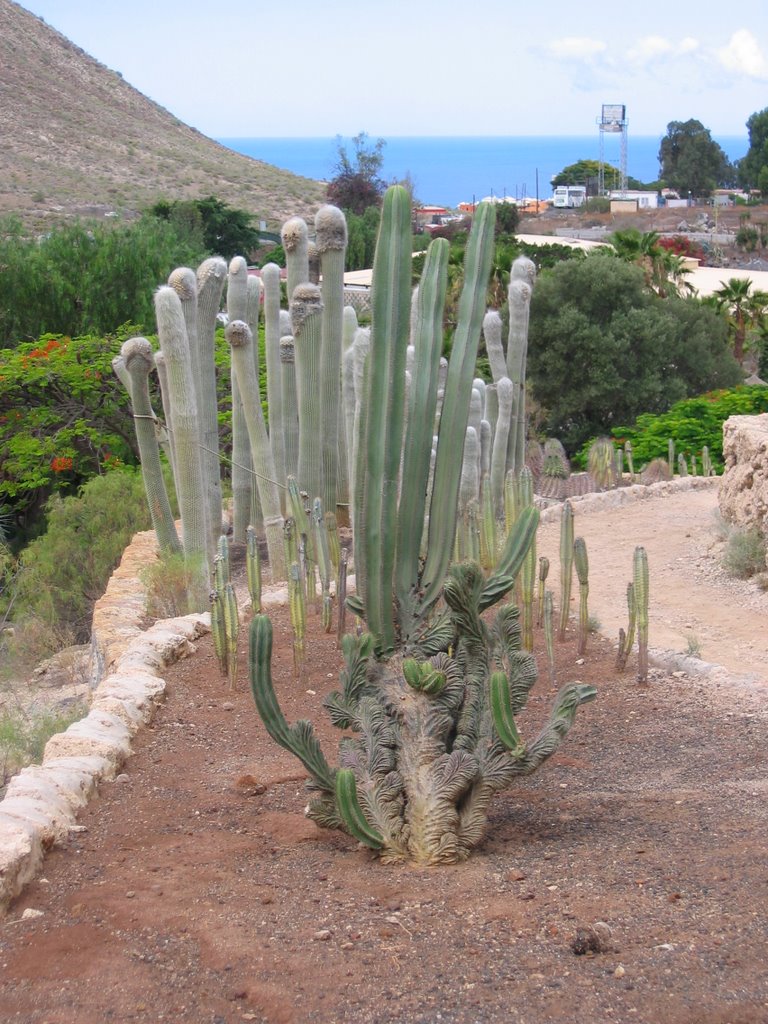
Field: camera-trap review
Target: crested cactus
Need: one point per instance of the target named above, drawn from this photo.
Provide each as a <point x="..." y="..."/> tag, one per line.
<point x="429" y="698"/>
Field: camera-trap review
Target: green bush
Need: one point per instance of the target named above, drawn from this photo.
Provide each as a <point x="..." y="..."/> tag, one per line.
<point x="744" y="554"/>
<point x="67" y="568"/>
<point x="23" y="736"/>
<point x="691" y="423"/>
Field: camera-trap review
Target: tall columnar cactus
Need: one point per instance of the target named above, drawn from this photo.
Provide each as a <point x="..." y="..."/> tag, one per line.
<point x="581" y="561"/>
<point x="240" y="339"/>
<point x="242" y="468"/>
<point x="253" y="568"/>
<point x="172" y="334"/>
<point x="295" y="238"/>
<point x="270" y="277"/>
<point x="139" y="363"/>
<point x="211" y="275"/>
<point x="522" y="277"/>
<point x="640" y="583"/>
<point x="627" y="639"/>
<point x="492" y="330"/>
<point x="601" y="463"/>
<point x="429" y="699"/>
<point x="331" y="241"/>
<point x="566" y="566"/>
<point x="306" y="313"/>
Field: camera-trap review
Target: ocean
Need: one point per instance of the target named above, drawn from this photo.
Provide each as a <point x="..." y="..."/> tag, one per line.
<point x="449" y="170"/>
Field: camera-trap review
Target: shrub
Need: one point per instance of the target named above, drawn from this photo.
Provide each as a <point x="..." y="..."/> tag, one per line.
<point x="23" y="736"/>
<point x="65" y="570"/>
<point x="691" y="424"/>
<point x="745" y="551"/>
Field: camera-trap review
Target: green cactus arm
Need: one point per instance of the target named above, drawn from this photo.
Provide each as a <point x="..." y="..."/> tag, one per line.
<point x="253" y="568"/>
<point x="453" y="420"/>
<point x="427" y="331"/>
<point x="298" y="738"/>
<point x="331" y="241"/>
<point x="385" y="402"/>
<point x="640" y="584"/>
<point x="503" y="718"/>
<point x="581" y="561"/>
<point x="138" y="362"/>
<point x="519" y="540"/>
<point x="566" y="566"/>
<point x="351" y="811"/>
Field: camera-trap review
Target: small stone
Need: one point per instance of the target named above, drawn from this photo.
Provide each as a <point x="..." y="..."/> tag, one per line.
<point x="30" y="913"/>
<point x="311" y="693"/>
<point x="619" y="972"/>
<point x="78" y="829"/>
<point x="323" y="935"/>
<point x="227" y="706"/>
<point x="122" y="777"/>
<point x="579" y="661"/>
<point x="130" y="894"/>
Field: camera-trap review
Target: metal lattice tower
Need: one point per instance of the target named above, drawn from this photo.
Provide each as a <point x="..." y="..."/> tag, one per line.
<point x="613" y="120"/>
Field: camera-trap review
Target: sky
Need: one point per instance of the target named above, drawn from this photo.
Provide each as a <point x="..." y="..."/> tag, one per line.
<point x="429" y="67"/>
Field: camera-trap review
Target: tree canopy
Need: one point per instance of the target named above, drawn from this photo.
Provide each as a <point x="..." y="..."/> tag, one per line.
<point x="691" y="161"/>
<point x="587" y="172"/>
<point x="221" y="229"/>
<point x="752" y="169"/>
<point x="357" y="183"/>
<point x="603" y="348"/>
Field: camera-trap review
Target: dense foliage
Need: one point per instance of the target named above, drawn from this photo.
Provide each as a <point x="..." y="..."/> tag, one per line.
<point x="85" y="278"/>
<point x="752" y="169"/>
<point x="587" y="172"/>
<point x="691" y="423"/>
<point x="357" y="183"/>
<point x="210" y="225"/>
<point x="691" y="161"/>
<point x="603" y="348"/>
<point x="65" y="570"/>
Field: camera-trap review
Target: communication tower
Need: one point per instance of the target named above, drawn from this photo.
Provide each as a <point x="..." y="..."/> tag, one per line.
<point x="613" y="121"/>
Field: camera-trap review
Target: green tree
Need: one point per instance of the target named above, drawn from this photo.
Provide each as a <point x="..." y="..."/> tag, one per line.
<point x="745" y="309"/>
<point x="750" y="167"/>
<point x="691" y="161"/>
<point x="85" y="278"/>
<point x="604" y="348"/>
<point x="357" y="182"/>
<point x="225" y="230"/>
<point x="663" y="270"/>
<point x="587" y="172"/>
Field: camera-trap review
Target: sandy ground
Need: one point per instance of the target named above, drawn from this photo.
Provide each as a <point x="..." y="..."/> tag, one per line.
<point x="693" y="602"/>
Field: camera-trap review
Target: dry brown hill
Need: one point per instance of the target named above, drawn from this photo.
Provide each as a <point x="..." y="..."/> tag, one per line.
<point x="75" y="139"/>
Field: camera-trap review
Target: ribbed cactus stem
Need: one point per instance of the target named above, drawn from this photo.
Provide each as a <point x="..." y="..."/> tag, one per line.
<point x="295" y="239"/>
<point x="487" y="525"/>
<point x="627" y="638"/>
<point x="671" y="455"/>
<point x="469" y="489"/>
<point x="504" y="391"/>
<point x="458" y="387"/>
<point x="211" y="276"/>
<point x="242" y="466"/>
<point x="138" y="362"/>
<point x="189" y="485"/>
<point x="349" y="328"/>
<point x="640" y="583"/>
<point x="566" y="566"/>
<point x="682" y="465"/>
<point x="522" y="276"/>
<point x="290" y="404"/>
<point x="581" y="562"/>
<point x="549" y="632"/>
<point x="162" y="379"/>
<point x="270" y="277"/>
<point x="492" y="332"/>
<point x="543" y="573"/>
<point x="630" y="462"/>
<point x="240" y="339"/>
<point x="331" y="241"/>
<point x="427" y="336"/>
<point x="379" y="455"/>
<point x="306" y="313"/>
<point x="253" y="568"/>
<point x="324" y="564"/>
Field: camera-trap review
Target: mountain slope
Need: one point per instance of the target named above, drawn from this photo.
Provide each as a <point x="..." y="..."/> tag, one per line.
<point x="75" y="139"/>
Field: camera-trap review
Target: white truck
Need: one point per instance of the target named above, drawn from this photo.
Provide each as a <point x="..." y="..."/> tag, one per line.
<point x="569" y="196"/>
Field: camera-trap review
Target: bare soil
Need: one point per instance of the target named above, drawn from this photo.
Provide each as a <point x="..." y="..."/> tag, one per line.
<point x="194" y="889"/>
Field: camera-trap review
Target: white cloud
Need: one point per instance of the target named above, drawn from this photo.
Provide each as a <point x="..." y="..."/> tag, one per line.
<point x="652" y="49"/>
<point x="743" y="56"/>
<point x="579" y="48"/>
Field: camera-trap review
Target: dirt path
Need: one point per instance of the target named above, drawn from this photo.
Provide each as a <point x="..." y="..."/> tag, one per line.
<point x="692" y="599"/>
<point x="194" y="891"/>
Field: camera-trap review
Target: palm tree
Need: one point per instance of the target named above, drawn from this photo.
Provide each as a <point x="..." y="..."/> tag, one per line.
<point x="744" y="308"/>
<point x="663" y="272"/>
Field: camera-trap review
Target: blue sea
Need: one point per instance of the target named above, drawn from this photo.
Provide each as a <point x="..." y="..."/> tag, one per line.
<point x="449" y="170"/>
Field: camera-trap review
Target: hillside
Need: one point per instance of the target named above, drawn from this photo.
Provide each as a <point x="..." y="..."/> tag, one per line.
<point x="78" y="140"/>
